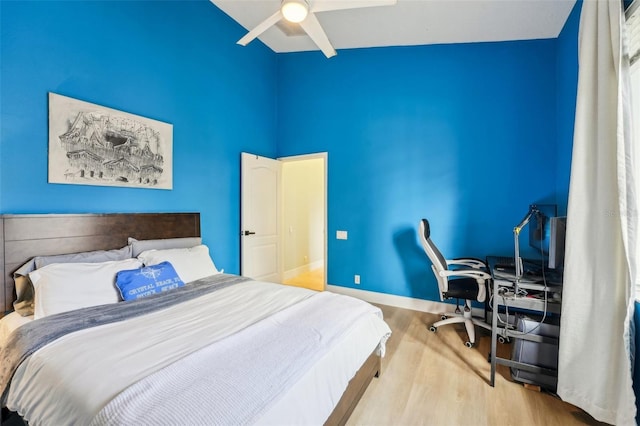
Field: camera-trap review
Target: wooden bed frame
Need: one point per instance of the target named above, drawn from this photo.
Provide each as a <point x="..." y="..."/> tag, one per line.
<point x="23" y="237"/>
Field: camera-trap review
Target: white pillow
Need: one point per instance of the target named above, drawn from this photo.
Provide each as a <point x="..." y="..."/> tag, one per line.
<point x="190" y="263"/>
<point x="62" y="287"/>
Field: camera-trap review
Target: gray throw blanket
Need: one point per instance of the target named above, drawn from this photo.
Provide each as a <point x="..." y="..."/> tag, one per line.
<point x="32" y="336"/>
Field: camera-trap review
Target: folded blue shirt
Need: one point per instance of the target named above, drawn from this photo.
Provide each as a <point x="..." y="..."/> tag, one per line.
<point x="138" y="283"/>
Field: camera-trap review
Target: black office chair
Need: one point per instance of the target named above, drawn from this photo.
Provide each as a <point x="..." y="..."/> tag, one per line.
<point x="468" y="281"/>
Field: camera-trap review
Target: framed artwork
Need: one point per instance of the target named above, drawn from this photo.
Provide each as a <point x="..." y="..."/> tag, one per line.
<point x="93" y="145"/>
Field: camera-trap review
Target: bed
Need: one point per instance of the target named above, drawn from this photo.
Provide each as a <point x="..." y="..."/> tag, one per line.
<point x="216" y="349"/>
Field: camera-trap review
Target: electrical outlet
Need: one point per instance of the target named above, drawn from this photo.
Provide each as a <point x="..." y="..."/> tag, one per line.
<point x="356" y="279"/>
<point x="341" y="235"/>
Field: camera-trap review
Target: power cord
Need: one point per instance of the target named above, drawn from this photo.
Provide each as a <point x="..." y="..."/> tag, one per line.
<point x="507" y="294"/>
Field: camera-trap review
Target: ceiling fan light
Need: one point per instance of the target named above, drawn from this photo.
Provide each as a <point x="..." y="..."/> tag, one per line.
<point x="294" y="10"/>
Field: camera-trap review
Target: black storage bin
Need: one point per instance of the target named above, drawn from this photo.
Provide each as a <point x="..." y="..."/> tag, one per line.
<point x="539" y="354"/>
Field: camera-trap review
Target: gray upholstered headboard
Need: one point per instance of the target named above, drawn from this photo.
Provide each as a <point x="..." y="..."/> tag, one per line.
<point x="25" y="236"/>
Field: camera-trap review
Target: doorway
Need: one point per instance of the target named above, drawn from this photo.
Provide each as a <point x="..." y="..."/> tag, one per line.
<point x="284" y="219"/>
<point x="304" y="209"/>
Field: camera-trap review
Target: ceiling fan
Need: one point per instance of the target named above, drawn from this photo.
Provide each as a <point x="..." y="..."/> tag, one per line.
<point x="302" y="12"/>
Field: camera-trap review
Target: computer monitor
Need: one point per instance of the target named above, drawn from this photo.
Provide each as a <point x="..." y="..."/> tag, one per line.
<point x="540" y="226"/>
<point x="558" y="228"/>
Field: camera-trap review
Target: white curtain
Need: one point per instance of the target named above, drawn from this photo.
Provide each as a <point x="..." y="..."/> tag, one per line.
<point x="594" y="370"/>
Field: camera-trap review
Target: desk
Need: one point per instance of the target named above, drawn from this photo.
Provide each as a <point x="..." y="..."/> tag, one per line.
<point x="503" y="282"/>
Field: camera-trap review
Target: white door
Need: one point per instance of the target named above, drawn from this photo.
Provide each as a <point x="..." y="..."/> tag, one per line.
<point x="260" y="221"/>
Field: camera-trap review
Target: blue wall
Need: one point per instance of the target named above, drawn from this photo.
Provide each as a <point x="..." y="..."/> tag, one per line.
<point x="464" y="135"/>
<point x="172" y="61"/>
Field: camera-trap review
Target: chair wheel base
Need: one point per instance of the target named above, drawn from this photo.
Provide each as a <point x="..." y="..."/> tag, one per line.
<point x="433" y="329"/>
<point x="468" y="344"/>
<point x="443" y="317"/>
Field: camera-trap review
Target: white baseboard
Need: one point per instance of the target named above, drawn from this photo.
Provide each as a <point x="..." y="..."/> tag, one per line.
<point x="400" y="301"/>
<point x="291" y="273"/>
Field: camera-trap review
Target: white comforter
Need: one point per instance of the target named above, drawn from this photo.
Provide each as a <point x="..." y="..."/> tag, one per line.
<point x="96" y="365"/>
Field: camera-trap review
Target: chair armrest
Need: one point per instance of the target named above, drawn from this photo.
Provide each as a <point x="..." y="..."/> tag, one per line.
<point x="481" y="277"/>
<point x="471" y="273"/>
<point x="473" y="263"/>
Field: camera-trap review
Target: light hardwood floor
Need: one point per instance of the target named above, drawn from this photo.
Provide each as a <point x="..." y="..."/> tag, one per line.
<point x="434" y="379"/>
<point x="313" y="280"/>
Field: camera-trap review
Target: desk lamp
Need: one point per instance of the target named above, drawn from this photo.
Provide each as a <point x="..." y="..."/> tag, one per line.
<point x="533" y="211"/>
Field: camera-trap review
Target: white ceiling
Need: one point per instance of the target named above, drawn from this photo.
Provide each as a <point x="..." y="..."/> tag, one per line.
<point x="413" y="22"/>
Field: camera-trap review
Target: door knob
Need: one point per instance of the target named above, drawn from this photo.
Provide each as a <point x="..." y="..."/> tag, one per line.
<point x="248" y="233"/>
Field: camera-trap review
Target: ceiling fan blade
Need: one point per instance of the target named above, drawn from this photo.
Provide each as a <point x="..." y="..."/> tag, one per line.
<point x="260" y="28"/>
<point x="312" y="27"/>
<point x="327" y="5"/>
